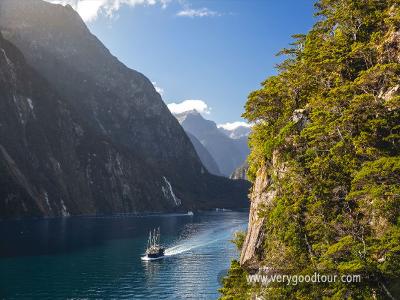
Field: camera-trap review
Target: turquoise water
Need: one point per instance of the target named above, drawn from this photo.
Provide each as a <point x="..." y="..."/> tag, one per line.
<point x="99" y="258"/>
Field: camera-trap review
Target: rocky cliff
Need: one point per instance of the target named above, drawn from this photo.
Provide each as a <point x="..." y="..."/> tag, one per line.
<point x="262" y="196"/>
<point x="51" y="162"/>
<point x="82" y="134"/>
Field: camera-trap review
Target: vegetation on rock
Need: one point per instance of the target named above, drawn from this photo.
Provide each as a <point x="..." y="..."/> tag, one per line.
<point x="331" y="117"/>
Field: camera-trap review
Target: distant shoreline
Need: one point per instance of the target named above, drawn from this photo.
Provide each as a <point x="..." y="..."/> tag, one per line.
<point x="120" y="215"/>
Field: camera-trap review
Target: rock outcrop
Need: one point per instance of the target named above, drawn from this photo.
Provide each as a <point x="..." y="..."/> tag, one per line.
<point x="262" y="195"/>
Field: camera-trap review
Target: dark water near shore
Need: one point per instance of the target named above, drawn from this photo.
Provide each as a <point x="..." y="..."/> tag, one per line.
<point x="93" y="257"/>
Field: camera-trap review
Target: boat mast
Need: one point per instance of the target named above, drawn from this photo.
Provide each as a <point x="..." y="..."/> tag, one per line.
<point x="149" y="240"/>
<point x="154" y="238"/>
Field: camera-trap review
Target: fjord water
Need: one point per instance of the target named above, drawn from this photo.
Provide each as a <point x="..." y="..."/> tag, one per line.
<point x="100" y="257"/>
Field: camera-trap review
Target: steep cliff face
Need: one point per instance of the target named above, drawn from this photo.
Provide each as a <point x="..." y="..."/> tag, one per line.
<point x="115" y="100"/>
<point x="32" y="171"/>
<point x="52" y="163"/>
<point x="262" y="196"/>
<point x="251" y="253"/>
<point x="83" y="134"/>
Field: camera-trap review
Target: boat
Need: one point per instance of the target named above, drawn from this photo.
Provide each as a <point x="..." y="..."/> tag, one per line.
<point x="154" y="249"/>
<point x="190" y="213"/>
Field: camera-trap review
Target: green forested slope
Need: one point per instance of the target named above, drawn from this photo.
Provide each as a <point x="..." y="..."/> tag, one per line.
<point x="332" y="118"/>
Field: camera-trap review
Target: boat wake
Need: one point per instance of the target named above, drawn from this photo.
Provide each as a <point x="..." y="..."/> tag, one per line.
<point x="202" y="240"/>
<point x="182" y="248"/>
<point x="186" y="246"/>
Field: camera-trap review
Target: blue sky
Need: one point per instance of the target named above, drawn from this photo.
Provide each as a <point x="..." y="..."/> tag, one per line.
<point x="214" y="51"/>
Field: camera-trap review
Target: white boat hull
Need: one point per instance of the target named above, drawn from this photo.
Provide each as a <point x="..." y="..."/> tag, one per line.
<point x="146" y="258"/>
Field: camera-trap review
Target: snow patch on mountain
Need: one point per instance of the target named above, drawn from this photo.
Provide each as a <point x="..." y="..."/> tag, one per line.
<point x="235" y="130"/>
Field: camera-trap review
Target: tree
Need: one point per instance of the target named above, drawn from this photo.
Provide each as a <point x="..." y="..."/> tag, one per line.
<point x="332" y="118"/>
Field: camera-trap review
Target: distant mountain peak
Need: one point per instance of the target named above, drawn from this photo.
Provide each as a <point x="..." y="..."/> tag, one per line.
<point x="229" y="153"/>
<point x="192" y="112"/>
<point x="181" y="117"/>
<point x="235" y="130"/>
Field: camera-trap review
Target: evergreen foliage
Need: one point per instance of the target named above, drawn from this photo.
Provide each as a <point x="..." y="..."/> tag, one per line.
<point x="332" y="117"/>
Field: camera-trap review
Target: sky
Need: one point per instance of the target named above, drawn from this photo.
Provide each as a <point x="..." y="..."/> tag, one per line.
<point x="211" y="52"/>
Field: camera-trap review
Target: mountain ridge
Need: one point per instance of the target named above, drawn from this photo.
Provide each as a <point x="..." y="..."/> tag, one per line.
<point x="133" y="149"/>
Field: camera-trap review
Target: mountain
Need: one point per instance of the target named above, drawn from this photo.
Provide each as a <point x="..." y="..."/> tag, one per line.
<point x="242" y="144"/>
<point x="205" y="157"/>
<point x="52" y="163"/>
<point x="239" y="133"/>
<point x="89" y="135"/>
<point x="227" y="152"/>
<point x="235" y="131"/>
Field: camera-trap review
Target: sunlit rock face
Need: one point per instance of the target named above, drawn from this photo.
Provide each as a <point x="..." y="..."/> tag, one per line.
<point x="89" y="135"/>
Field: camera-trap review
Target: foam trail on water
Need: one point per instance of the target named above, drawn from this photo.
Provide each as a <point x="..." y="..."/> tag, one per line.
<point x="186" y="247"/>
<point x="201" y="240"/>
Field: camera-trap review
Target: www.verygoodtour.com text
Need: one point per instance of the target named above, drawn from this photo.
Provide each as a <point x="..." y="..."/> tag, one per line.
<point x="296" y="279"/>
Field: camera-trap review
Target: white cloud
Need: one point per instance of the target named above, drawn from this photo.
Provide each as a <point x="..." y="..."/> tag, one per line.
<point x="188" y="105"/>
<point x="234" y="125"/>
<point x="89" y="10"/>
<point x="159" y="90"/>
<point x="200" y="12"/>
